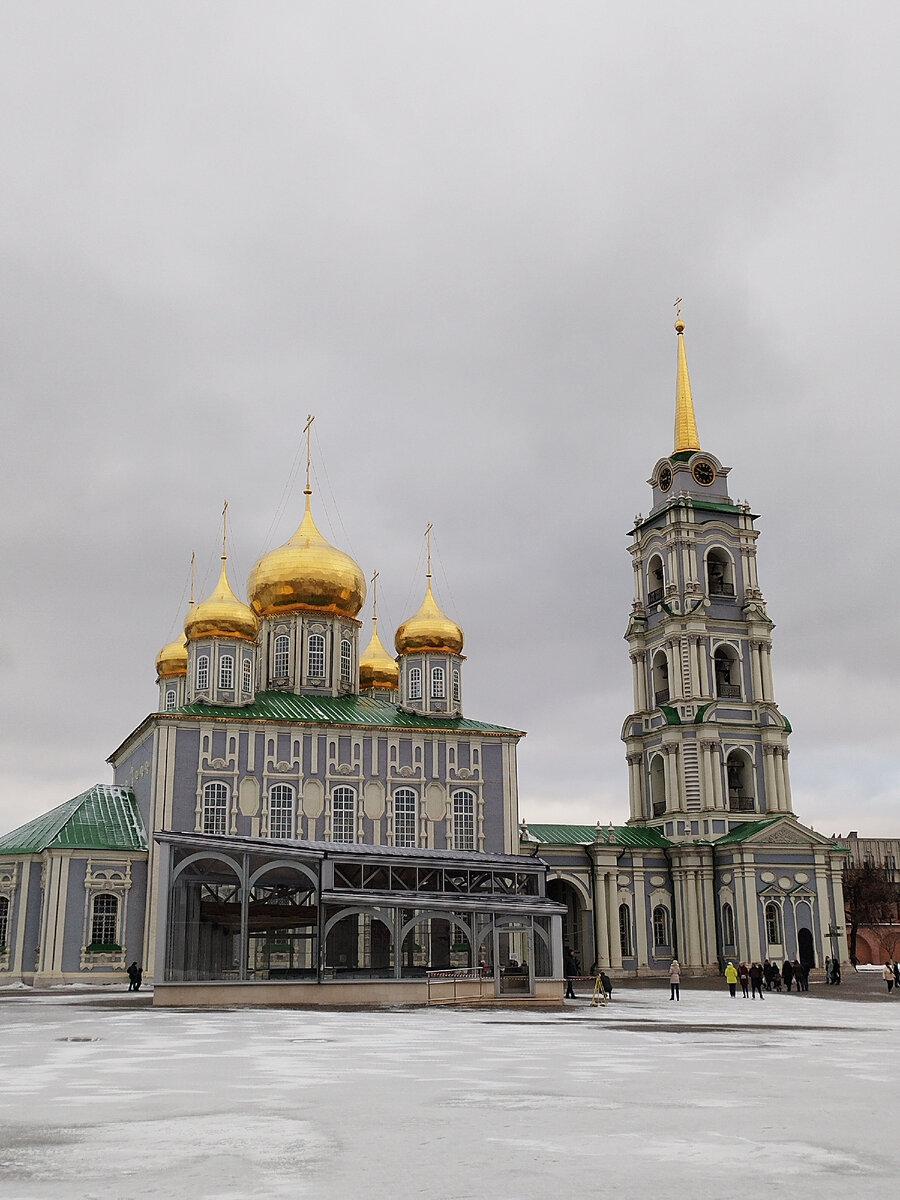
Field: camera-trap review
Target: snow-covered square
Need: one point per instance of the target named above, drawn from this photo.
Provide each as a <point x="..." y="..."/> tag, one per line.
<point x="105" y="1096"/>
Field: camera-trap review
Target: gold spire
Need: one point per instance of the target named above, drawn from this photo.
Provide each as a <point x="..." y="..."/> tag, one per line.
<point x="307" y="572"/>
<point x="376" y="667"/>
<point x="429" y="628"/>
<point x="221" y="614"/>
<point x="686" y="436"/>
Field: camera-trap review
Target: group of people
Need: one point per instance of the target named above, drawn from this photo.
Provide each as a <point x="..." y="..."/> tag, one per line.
<point x="833" y="970"/>
<point x="890" y="973"/>
<point x="135" y="977"/>
<point x="755" y="978"/>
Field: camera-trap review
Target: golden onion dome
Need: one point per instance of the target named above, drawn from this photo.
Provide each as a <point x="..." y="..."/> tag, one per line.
<point x="429" y="629"/>
<point x="172" y="659"/>
<point x="306" y="573"/>
<point x="221" y="615"/>
<point x="376" y="667"/>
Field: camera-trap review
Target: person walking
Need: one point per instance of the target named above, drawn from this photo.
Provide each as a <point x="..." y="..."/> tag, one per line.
<point x="133" y="977"/>
<point x="744" y="976"/>
<point x="570" y="970"/>
<point x="887" y="975"/>
<point x="756" y="980"/>
<point x="896" y="967"/>
<point x="835" y="971"/>
<point x="675" y="980"/>
<point x="801" y="974"/>
<point x="787" y="974"/>
<point x="731" y="978"/>
<point x="829" y="968"/>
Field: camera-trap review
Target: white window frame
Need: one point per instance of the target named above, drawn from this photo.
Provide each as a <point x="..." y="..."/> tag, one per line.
<point x="728" y="924"/>
<point x="5" y="908"/>
<point x="438" y="683"/>
<point x="281" y="806"/>
<point x="281" y="656"/>
<point x="775" y="925"/>
<point x="226" y="673"/>
<point x="663" y="925"/>
<point x="415" y="683"/>
<point x="463" y="819"/>
<point x="215" y="807"/>
<point x="171" y="700"/>
<point x="202" y="672"/>
<point x="457" y="690"/>
<point x="346" y="661"/>
<point x="247" y="676"/>
<point x="315" y="656"/>
<point x="343" y="814"/>
<point x="103" y="922"/>
<point x="625" y="931"/>
<point x="406" y="817"/>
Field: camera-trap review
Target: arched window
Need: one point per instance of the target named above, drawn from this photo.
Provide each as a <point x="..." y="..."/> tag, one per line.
<point x="171" y="699"/>
<point x="728" y="925"/>
<point x="415" y="683"/>
<point x="661" y="927"/>
<point x="405" y="817"/>
<point x="315" y="656"/>
<point x="656" y="580"/>
<point x="4" y="920"/>
<point x="346" y="661"/>
<point x="105" y="920"/>
<point x="464" y="820"/>
<point x="657" y="785"/>
<point x="773" y="924"/>
<point x="437" y="683"/>
<point x="719" y="573"/>
<point x="625" y="930"/>
<point x="727" y="669"/>
<point x="343" y="815"/>
<point x="739" y="772"/>
<point x="247" y="676"/>
<point x="661" y="677"/>
<point x="281" y="661"/>
<point x="226" y="672"/>
<point x="281" y="811"/>
<point x="202" y="672"/>
<point x="457" y="693"/>
<point x="215" y="808"/>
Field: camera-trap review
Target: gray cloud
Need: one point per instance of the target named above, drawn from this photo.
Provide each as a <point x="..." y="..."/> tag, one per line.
<point x="454" y="235"/>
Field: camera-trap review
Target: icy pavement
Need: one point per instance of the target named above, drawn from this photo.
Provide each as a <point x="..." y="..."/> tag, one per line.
<point x="710" y="1098"/>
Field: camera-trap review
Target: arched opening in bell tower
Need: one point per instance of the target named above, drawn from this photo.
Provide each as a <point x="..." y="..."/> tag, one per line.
<point x="739" y="771"/>
<point x="657" y="785"/>
<point x="660" y="677"/>
<point x="719" y="573"/>
<point x="727" y="669"/>
<point x="656" y="580"/>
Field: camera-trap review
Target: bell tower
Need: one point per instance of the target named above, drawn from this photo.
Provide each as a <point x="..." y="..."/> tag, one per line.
<point x="706" y="745"/>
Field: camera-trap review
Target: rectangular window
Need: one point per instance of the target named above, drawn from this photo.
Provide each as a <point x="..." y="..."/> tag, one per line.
<point x="104" y="920"/>
<point x="171" y="697"/>
<point x="4" y="920"/>
<point x="346" y="661"/>
<point x="415" y="683"/>
<point x="282" y="660"/>
<point x="202" y="673"/>
<point x="343" y="815"/>
<point x="226" y="672"/>
<point x="404" y="817"/>
<point x="316" y="656"/>
<point x="463" y="821"/>
<point x="437" y="683"/>
<point x="281" y="811"/>
<point x="247" y="680"/>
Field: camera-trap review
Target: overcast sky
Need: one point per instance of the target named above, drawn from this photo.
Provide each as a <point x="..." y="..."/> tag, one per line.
<point x="454" y="233"/>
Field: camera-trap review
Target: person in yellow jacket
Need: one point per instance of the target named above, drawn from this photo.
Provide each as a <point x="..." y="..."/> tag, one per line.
<point x="731" y="978"/>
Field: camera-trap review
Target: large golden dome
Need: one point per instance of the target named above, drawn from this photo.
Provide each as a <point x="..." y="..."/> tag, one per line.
<point x="173" y="659"/>
<point x="306" y="573"/>
<point x="221" y="615"/>
<point x="376" y="667"/>
<point x="429" y="629"/>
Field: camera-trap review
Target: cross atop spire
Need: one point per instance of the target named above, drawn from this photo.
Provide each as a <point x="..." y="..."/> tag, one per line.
<point x="686" y="436"/>
<point x="307" y="429"/>
<point x="428" y="529"/>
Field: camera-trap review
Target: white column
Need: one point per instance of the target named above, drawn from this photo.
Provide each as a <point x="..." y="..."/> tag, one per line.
<point x="601" y="927"/>
<point x="771" y="789"/>
<point x="754" y="671"/>
<point x="612" y="915"/>
<point x="709" y="794"/>
<point x="766" y="663"/>
<point x="788" y="800"/>
<point x="674" y="777"/>
<point x="778" y="771"/>
<point x="705" y="688"/>
<point x="716" y="763"/>
<point x="693" y="919"/>
<point x="640" y="919"/>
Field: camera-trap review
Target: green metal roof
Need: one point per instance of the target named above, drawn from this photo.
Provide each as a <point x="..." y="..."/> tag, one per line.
<point x="583" y="835"/>
<point x="746" y="830"/>
<point x="336" y="710"/>
<point x="102" y="818"/>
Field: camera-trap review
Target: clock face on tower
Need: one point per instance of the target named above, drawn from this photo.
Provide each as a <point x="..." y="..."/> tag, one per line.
<point x="665" y="479"/>
<point x="703" y="472"/>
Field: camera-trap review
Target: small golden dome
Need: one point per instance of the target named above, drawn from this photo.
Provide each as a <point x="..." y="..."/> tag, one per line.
<point x="221" y="615"/>
<point x="306" y="573"/>
<point x="376" y="667"/>
<point x="172" y="659"/>
<point x="429" y="629"/>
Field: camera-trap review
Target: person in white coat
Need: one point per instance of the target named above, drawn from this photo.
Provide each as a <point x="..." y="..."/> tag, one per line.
<point x="675" y="980"/>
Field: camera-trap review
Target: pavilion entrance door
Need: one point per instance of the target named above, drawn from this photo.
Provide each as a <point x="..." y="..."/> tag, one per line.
<point x="514" y="958"/>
